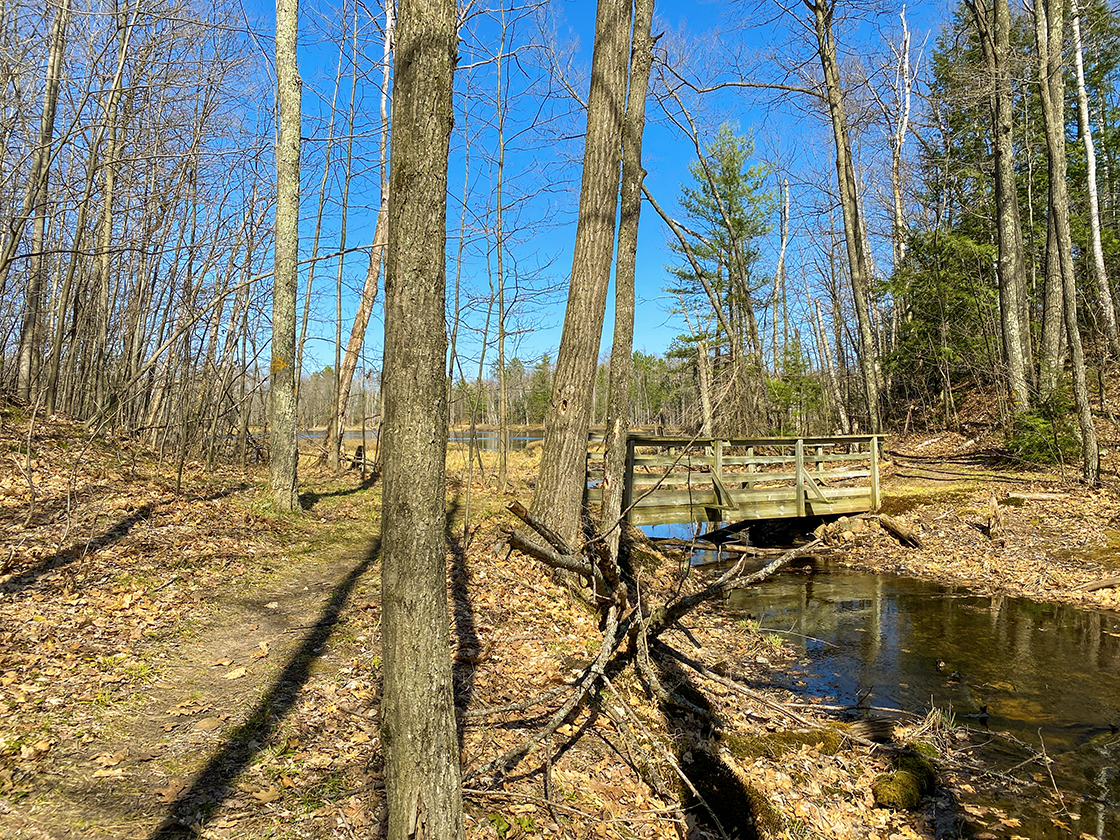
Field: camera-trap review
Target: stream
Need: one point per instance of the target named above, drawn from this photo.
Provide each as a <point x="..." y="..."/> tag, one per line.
<point x="1047" y="674"/>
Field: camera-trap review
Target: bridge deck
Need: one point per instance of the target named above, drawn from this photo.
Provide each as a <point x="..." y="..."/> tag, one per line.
<point x="672" y="479"/>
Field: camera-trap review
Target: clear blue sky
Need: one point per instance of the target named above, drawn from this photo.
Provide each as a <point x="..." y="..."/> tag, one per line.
<point x="791" y="133"/>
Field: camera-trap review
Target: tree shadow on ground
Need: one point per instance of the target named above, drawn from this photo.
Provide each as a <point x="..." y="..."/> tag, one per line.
<point x="725" y="804"/>
<point x="309" y="498"/>
<point x="80" y="549"/>
<point x="466" y="624"/>
<point x="214" y="783"/>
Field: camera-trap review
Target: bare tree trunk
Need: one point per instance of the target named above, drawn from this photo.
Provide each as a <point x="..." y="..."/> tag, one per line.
<point x="622" y="346"/>
<point x="422" y="776"/>
<point x="1051" y="344"/>
<point x="560" y="486"/>
<point x="830" y="371"/>
<point x="499" y="252"/>
<point x="284" y="453"/>
<point x="31" y="334"/>
<point x="1048" y="33"/>
<point x="358" y="333"/>
<point x="332" y="453"/>
<point x="859" y="265"/>
<point x="1100" y="274"/>
<point x="994" y="27"/>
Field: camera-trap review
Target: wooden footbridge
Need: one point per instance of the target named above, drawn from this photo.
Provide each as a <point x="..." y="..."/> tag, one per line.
<point x="676" y="479"/>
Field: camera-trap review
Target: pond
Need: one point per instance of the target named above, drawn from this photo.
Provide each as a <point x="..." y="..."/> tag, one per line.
<point x="1048" y="674"/>
<point x="486" y="439"/>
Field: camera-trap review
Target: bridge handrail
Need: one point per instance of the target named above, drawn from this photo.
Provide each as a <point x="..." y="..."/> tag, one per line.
<point x="803" y="481"/>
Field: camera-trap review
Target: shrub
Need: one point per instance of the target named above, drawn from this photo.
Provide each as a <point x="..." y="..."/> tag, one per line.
<point x="1045" y="434"/>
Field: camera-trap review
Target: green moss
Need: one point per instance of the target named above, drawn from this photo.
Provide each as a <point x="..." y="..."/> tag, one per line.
<point x="778" y="744"/>
<point x="918" y="766"/>
<point x="900" y="791"/>
<point x="914" y="777"/>
<point x="926" y="749"/>
<point x="910" y="498"/>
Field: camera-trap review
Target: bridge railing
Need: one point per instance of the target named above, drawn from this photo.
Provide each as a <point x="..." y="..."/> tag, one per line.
<point x="675" y="479"/>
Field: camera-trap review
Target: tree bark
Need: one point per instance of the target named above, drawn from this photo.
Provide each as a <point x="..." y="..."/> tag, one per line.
<point x="357" y="336"/>
<point x="859" y="267"/>
<point x="422" y="774"/>
<point x="994" y="26"/>
<point x="622" y="346"/>
<point x="1100" y="274"/>
<point x="560" y="486"/>
<point x="1049" y="25"/>
<point x="31" y="333"/>
<point x="284" y="455"/>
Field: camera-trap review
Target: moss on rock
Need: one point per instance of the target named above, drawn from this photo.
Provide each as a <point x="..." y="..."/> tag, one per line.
<point x="920" y="767"/>
<point x="913" y="777"/>
<point x="899" y="790"/>
<point x="926" y="749"/>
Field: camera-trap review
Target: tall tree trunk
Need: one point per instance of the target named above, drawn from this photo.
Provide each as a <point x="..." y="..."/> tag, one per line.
<point x="358" y="333"/>
<point x="994" y="27"/>
<point x="560" y="486"/>
<point x="859" y="266"/>
<point x="622" y="346"/>
<point x="499" y="253"/>
<point x="1051" y="343"/>
<point x="1048" y="32"/>
<point x="31" y="334"/>
<point x="284" y="453"/>
<point x="422" y="778"/>
<point x="336" y="424"/>
<point x="1100" y="274"/>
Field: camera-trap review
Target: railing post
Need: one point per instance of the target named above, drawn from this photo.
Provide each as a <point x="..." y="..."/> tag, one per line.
<point x="628" y="477"/>
<point x="751" y="467"/>
<point x="799" y="468"/>
<point x="717" y="458"/>
<point x="874" y="472"/>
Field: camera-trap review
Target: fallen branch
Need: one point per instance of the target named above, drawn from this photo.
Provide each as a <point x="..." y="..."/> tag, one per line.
<point x="611" y="640"/>
<point x="709" y="674"/>
<point x="907" y="536"/>
<point x="575" y="563"/>
<point x="665" y="617"/>
<point x="1103" y="583"/>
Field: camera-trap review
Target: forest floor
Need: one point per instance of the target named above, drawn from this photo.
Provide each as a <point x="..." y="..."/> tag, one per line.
<point x="177" y="659"/>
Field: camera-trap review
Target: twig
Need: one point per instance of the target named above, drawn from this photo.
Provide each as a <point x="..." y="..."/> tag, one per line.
<point x="734" y="686"/>
<point x="611" y="640"/>
<point x="669" y="759"/>
<point x="543" y="697"/>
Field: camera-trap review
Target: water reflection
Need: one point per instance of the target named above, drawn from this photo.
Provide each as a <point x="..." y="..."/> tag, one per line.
<point x="485" y="439"/>
<point x="1046" y="673"/>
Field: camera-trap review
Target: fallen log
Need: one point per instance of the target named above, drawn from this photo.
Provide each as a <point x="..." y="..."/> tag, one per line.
<point x="1038" y="497"/>
<point x="906" y="536"/>
<point x="1103" y="583"/>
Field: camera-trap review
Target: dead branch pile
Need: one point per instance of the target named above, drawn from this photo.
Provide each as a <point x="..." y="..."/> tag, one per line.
<point x="631" y="629"/>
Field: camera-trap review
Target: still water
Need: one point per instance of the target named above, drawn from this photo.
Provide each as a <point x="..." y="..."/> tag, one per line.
<point x="1048" y="674"/>
<point x="485" y="439"/>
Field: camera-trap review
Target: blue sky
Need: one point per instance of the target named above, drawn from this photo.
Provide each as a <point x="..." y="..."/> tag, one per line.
<point x="787" y="133"/>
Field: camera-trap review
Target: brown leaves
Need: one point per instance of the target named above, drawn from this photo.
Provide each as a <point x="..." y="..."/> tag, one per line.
<point x="170" y="792"/>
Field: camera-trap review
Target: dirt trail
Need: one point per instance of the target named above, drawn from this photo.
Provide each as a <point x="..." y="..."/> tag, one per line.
<point x="186" y="743"/>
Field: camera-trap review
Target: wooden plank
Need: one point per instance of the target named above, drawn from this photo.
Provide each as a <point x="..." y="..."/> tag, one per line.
<point x="742" y="498"/>
<point x="799" y="477"/>
<point x="874" y="473"/>
<point x="776" y="509"/>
